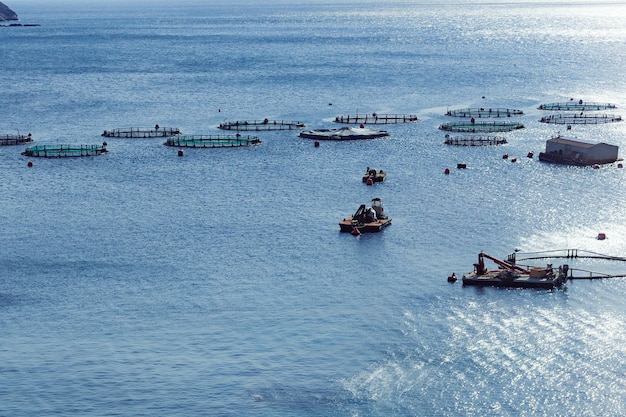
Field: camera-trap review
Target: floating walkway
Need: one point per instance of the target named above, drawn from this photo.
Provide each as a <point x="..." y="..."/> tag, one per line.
<point x="474" y="140"/>
<point x="142" y="132"/>
<point x="376" y="119"/>
<point x="257" y="125"/>
<point x="480" y="127"/>
<point x="64" y="151"/>
<point x="212" y="141"/>
<point x="580" y="119"/>
<point x="482" y="112"/>
<point x="577" y="106"/>
<point x="15" y="139"/>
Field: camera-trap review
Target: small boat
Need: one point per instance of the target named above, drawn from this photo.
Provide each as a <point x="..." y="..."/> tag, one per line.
<point x="375" y="176"/>
<point x="344" y="133"/>
<point x="366" y="219"/>
<point x="511" y="275"/>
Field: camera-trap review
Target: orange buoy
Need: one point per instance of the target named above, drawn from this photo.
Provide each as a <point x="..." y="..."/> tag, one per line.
<point x="180" y="153"/>
<point x="601" y="236"/>
<point x="447" y="171"/>
<point x="355" y="232"/>
<point x="369" y="181"/>
<point x="30" y="163"/>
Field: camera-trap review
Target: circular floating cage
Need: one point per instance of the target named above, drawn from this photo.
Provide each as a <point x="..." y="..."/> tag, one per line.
<point x="580" y="119"/>
<point x="480" y="127"/>
<point x="212" y="141"/>
<point x="142" y="132"/>
<point x="482" y="112"/>
<point x="64" y="151"/>
<point x="474" y="140"/>
<point x="15" y="139"/>
<point x="257" y="125"/>
<point x="577" y="106"/>
<point x="375" y="118"/>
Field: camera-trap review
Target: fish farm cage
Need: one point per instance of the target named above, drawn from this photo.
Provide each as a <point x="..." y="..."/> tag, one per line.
<point x="577" y="106"/>
<point x="15" y="139"/>
<point x="212" y="141"/>
<point x="141" y="132"/>
<point x="482" y="112"/>
<point x="480" y="127"/>
<point x="474" y="140"/>
<point x="375" y="118"/>
<point x="64" y="151"/>
<point x="261" y="125"/>
<point x="580" y="119"/>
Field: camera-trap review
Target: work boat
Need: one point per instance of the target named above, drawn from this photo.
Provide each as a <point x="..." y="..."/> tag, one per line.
<point x="366" y="219"/>
<point x="510" y="275"/>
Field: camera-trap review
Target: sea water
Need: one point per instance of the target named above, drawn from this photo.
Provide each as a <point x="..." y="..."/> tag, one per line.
<point x="217" y="283"/>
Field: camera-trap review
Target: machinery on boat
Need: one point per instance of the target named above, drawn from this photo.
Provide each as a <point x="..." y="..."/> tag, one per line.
<point x="510" y="275"/>
<point x="366" y="219"/>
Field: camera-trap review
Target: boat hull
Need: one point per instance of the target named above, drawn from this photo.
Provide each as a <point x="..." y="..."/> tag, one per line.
<point x="379" y="177"/>
<point x="347" y="225"/>
<point x="521" y="281"/>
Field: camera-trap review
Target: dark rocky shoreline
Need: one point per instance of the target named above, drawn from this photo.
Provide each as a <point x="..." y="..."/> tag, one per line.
<point x="6" y="13"/>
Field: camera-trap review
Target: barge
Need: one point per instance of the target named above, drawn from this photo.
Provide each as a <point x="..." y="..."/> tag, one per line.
<point x="514" y="276"/>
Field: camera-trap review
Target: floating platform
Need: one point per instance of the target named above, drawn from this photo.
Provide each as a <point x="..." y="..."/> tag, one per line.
<point x="510" y="275"/>
<point x="577" y="106"/>
<point x="482" y="112"/>
<point x="480" y="127"/>
<point x="142" y="132"/>
<point x="376" y="119"/>
<point x="212" y="141"/>
<point x="470" y="140"/>
<point x="15" y="139"/>
<point x="261" y="125"/>
<point x="64" y="151"/>
<point x="344" y="133"/>
<point x="580" y="119"/>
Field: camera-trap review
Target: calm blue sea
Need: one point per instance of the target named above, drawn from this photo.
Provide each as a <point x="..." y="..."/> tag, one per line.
<point x="141" y="283"/>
